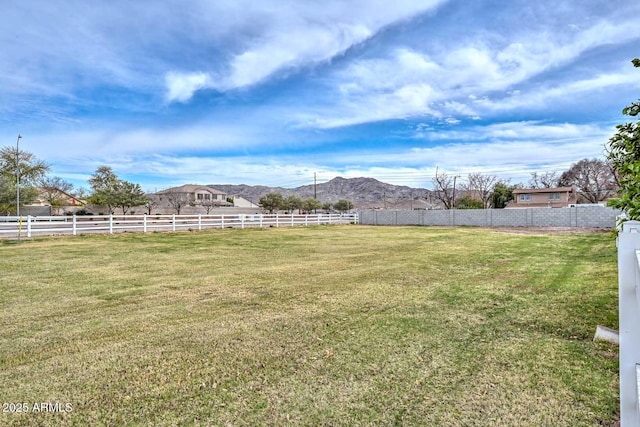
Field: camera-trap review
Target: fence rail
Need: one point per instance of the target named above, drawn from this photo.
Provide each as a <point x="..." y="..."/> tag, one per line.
<point x="28" y="226"/>
<point x="629" y="322"/>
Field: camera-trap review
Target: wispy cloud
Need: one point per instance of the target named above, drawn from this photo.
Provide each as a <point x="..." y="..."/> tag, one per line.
<point x="291" y="36"/>
<point x="181" y="87"/>
<point x="473" y="80"/>
<point x="288" y="88"/>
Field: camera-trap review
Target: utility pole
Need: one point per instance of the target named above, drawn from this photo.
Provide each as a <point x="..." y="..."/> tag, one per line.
<point x="384" y="198"/>
<point x="18" y="185"/>
<point x="453" y="202"/>
<point x="18" y="175"/>
<point x="315" y="186"/>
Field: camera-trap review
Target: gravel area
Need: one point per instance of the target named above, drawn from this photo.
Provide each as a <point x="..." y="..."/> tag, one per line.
<point x="551" y="230"/>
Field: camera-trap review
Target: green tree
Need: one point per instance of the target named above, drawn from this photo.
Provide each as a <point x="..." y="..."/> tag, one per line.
<point x="327" y="206"/>
<point x="468" y="202"/>
<point x="271" y="201"/>
<point x="501" y="195"/>
<point x="343" y="205"/>
<point x="291" y="203"/>
<point x="112" y="192"/>
<point x="103" y="184"/>
<point x="126" y="194"/>
<point x="311" y="204"/>
<point x="103" y="177"/>
<point x="624" y="155"/>
<point x="7" y="195"/>
<point x="19" y="166"/>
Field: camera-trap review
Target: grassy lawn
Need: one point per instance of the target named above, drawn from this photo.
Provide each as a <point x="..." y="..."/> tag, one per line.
<point x="339" y="325"/>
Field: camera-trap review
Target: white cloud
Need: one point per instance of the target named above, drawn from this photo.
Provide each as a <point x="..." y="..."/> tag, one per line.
<point x="468" y="80"/>
<point x="181" y="87"/>
<point x="157" y="159"/>
<point x="292" y="36"/>
<point x="530" y="130"/>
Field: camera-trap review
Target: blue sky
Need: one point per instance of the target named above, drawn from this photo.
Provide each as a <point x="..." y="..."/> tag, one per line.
<point x="214" y="91"/>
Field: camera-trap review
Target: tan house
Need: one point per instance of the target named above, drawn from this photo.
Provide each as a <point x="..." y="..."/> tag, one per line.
<point x="241" y="202"/>
<point x="197" y="194"/>
<point x="57" y="199"/>
<point x="560" y="197"/>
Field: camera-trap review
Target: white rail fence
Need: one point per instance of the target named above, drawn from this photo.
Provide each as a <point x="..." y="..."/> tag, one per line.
<point x="28" y="226"/>
<point x="629" y="322"/>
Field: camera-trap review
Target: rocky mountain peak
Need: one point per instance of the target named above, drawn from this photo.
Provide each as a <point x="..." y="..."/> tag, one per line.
<point x="364" y="192"/>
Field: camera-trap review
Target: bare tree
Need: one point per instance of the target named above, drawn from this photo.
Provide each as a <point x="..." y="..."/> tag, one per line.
<point x="543" y="180"/>
<point x="152" y="202"/>
<point x="444" y="188"/>
<point x="480" y="187"/>
<point x="177" y="199"/>
<point x="593" y="178"/>
<point x="55" y="191"/>
<point x="208" y="205"/>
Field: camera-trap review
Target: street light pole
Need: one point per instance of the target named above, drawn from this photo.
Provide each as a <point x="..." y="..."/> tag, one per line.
<point x="18" y="176"/>
<point x="18" y="185"/>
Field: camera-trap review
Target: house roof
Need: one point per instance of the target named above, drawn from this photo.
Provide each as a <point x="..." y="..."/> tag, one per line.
<point x="42" y="192"/>
<point x="544" y="190"/>
<point x="192" y="188"/>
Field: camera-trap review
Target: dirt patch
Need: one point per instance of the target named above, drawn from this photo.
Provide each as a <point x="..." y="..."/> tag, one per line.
<point x="551" y="230"/>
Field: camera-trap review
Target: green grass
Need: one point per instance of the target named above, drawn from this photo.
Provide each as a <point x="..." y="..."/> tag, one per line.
<point x="340" y="325"/>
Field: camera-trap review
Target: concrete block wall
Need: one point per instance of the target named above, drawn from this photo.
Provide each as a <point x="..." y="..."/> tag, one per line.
<point x="509" y="218"/>
<point x="553" y="217"/>
<point x="472" y="217"/>
<point x="588" y="216"/>
<point x="439" y="217"/>
<point x="593" y="216"/>
<point x="410" y="218"/>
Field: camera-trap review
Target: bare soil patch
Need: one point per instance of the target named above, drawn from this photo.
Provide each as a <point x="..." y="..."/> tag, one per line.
<point x="551" y="230"/>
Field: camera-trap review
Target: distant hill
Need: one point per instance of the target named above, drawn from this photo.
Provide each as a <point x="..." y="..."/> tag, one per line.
<point x="365" y="193"/>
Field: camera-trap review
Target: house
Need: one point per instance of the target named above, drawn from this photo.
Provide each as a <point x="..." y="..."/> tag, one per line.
<point x="196" y="195"/>
<point x="241" y="202"/>
<point x="560" y="197"/>
<point x="56" y="200"/>
<point x="53" y="196"/>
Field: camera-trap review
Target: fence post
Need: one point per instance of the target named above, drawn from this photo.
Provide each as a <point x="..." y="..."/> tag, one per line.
<point x="261" y="219"/>
<point x="241" y="221"/>
<point x="199" y="222"/>
<point x="292" y="224"/>
<point x="221" y="221"/>
<point x="110" y="223"/>
<point x="277" y="222"/>
<point x="173" y="222"/>
<point x="73" y="226"/>
<point x="28" y="225"/>
<point x="144" y="223"/>
<point x="629" y="318"/>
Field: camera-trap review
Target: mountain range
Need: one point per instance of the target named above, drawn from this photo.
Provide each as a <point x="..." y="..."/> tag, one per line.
<point x="364" y="193"/>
